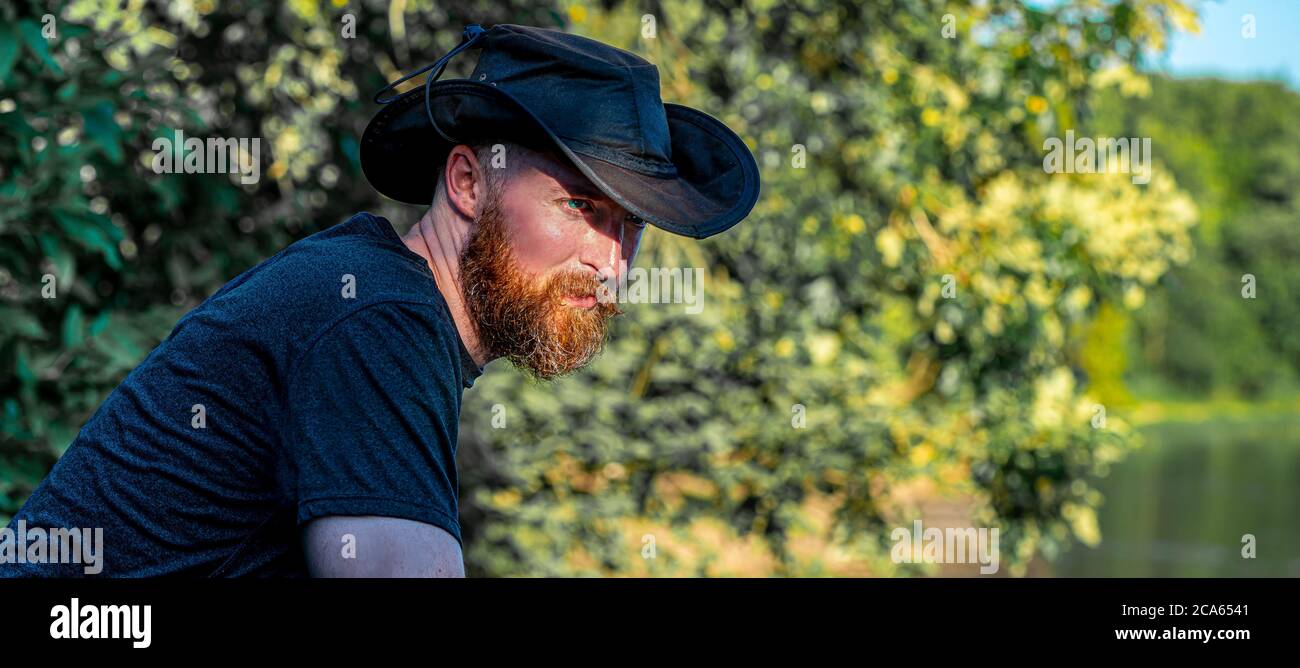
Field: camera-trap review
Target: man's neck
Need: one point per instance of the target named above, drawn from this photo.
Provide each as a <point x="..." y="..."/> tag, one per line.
<point x="439" y="240"/>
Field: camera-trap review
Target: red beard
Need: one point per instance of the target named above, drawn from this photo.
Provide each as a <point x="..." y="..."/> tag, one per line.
<point x="521" y="320"/>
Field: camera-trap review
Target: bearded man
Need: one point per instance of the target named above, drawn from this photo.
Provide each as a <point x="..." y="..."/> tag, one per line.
<point x="303" y="419"/>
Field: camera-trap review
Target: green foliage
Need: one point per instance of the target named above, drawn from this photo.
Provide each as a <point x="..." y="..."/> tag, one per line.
<point x="1236" y="148"/>
<point x="923" y="163"/>
<point x="923" y="171"/>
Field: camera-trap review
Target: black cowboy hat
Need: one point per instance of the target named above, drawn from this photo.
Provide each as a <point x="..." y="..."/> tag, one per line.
<point x="677" y="168"/>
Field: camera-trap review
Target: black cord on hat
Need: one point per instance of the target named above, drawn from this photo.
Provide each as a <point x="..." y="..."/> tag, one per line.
<point x="470" y="35"/>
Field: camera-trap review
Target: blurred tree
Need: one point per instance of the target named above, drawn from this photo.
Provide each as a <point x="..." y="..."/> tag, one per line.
<point x="923" y="170"/>
<point x="1236" y="148"/>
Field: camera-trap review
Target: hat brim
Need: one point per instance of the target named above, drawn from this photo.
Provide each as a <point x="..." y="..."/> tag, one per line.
<point x="716" y="186"/>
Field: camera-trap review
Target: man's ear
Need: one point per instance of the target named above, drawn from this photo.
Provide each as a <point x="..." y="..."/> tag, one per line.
<point x="463" y="181"/>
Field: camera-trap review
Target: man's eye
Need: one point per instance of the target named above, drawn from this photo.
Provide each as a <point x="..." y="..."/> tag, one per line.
<point x="582" y="204"/>
<point x="636" y="222"/>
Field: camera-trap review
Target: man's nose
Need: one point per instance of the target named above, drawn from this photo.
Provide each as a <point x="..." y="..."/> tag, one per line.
<point x="603" y="246"/>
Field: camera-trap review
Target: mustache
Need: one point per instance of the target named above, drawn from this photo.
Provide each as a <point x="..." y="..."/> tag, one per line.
<point x="572" y="283"/>
<point x="579" y="284"/>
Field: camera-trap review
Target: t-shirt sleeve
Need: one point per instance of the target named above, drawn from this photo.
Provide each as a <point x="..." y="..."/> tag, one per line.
<point x="372" y="413"/>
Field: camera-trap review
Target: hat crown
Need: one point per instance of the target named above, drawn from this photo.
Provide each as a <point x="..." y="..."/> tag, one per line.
<point x="602" y="100"/>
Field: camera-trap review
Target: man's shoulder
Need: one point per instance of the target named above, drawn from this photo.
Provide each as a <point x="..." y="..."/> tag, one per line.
<point x="357" y="262"/>
<point x="357" y="269"/>
<point x="362" y="225"/>
<point x="362" y="244"/>
<point x="357" y="287"/>
<point x="387" y="332"/>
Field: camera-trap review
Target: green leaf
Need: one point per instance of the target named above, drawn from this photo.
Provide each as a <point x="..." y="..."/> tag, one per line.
<point x="63" y="259"/>
<point x="352" y="151"/>
<point x="21" y="323"/>
<point x="89" y="232"/>
<point x="8" y="53"/>
<point x="67" y="91"/>
<point x="37" y="44"/>
<point x="74" y="327"/>
<point x="70" y="31"/>
<point x="21" y="367"/>
<point x="123" y="353"/>
<point x="100" y="322"/>
<point x="102" y="130"/>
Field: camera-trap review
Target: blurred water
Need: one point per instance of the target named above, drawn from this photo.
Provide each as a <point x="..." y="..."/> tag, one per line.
<point x="1179" y="507"/>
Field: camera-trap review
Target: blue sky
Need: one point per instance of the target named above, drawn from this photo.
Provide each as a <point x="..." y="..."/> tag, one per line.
<point x="1220" y="49"/>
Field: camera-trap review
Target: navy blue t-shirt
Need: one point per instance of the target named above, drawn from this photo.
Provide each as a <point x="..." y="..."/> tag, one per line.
<point x="327" y="380"/>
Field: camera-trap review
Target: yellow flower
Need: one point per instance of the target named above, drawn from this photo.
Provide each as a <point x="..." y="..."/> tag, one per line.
<point x="821" y="102"/>
<point x="853" y="224"/>
<point x="890" y="76"/>
<point x="1079" y="298"/>
<point x="1134" y="297"/>
<point x="724" y="339"/>
<point x="907" y="195"/>
<point x="507" y="498"/>
<point x="993" y="320"/>
<point x="931" y="117"/>
<point x="823" y="348"/>
<point x="944" y="332"/>
<point x="1036" y="104"/>
<point x="577" y="13"/>
<point x="890" y="245"/>
<point x="784" y="347"/>
<point x="1083" y="520"/>
<point x="304" y="8"/>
